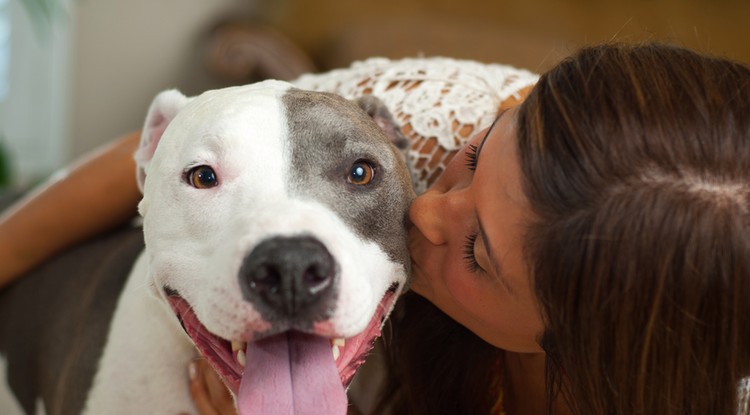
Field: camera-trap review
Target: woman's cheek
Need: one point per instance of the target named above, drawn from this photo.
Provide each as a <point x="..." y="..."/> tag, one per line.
<point x="430" y="271"/>
<point x="419" y="283"/>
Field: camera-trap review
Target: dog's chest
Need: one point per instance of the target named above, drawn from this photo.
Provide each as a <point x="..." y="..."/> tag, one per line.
<point x="143" y="366"/>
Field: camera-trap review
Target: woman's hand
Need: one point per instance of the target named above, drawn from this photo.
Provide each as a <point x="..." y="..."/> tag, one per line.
<point x="210" y="395"/>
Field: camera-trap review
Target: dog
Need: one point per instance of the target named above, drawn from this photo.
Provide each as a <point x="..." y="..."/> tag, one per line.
<point x="275" y="246"/>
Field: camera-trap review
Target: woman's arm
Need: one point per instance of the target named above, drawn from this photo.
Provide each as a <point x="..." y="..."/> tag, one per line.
<point x="96" y="194"/>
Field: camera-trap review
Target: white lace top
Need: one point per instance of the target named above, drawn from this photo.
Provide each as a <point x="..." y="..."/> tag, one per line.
<point x="438" y="102"/>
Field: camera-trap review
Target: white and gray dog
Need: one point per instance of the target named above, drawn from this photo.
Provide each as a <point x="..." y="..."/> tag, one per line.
<point x="274" y="226"/>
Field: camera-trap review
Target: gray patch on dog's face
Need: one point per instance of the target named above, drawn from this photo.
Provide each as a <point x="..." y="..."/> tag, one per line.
<point x="328" y="134"/>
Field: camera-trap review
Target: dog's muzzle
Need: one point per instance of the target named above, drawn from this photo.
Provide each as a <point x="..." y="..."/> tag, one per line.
<point x="290" y="280"/>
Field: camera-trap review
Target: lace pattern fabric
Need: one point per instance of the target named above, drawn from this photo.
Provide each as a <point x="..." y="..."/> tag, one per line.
<point x="438" y="102"/>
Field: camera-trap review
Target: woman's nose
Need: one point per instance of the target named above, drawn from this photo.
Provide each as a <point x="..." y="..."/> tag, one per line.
<point x="435" y="213"/>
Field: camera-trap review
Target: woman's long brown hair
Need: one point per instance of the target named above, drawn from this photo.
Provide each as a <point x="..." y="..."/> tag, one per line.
<point x="435" y="365"/>
<point x="636" y="161"/>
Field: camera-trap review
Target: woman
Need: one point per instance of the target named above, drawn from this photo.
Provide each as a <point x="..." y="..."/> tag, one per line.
<point x="596" y="259"/>
<point x="605" y="233"/>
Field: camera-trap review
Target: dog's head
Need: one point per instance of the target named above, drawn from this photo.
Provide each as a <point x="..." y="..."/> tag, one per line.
<point x="274" y="221"/>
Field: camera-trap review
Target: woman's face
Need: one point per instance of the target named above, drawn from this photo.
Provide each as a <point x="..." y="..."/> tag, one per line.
<point x="466" y="242"/>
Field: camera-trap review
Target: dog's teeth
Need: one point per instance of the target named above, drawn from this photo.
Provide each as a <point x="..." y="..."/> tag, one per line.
<point x="336" y="344"/>
<point x="241" y="357"/>
<point x="237" y="346"/>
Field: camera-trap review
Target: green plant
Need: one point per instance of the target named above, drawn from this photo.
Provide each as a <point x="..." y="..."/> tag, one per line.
<point x="5" y="167"/>
<point x="43" y="9"/>
<point x="44" y="13"/>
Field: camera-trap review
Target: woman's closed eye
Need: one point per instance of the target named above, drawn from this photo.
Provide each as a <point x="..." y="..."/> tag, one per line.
<point x="471" y="157"/>
<point x="471" y="260"/>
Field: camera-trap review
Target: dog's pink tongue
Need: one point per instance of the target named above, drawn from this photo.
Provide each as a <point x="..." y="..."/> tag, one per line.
<point x="291" y="373"/>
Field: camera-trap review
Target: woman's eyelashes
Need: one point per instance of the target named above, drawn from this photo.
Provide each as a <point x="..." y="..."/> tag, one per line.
<point x="469" y="244"/>
<point x="471" y="260"/>
<point x="471" y="157"/>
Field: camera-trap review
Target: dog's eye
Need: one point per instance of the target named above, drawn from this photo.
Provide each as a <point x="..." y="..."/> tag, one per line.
<point x="361" y="173"/>
<point x="202" y="177"/>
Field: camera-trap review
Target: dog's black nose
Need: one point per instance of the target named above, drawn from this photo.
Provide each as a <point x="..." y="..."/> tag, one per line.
<point x="289" y="277"/>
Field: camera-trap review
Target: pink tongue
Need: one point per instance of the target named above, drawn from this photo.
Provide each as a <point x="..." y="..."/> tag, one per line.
<point x="291" y="373"/>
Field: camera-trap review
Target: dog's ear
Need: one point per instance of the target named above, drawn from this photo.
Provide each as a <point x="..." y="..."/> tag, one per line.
<point x="162" y="111"/>
<point x="383" y="117"/>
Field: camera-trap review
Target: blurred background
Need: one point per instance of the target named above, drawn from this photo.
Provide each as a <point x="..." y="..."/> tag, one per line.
<point x="75" y="74"/>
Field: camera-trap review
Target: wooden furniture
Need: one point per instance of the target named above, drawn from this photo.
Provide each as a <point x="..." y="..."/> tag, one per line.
<point x="531" y="34"/>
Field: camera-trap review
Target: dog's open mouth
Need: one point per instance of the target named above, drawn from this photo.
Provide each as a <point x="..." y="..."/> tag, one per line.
<point x="305" y="359"/>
